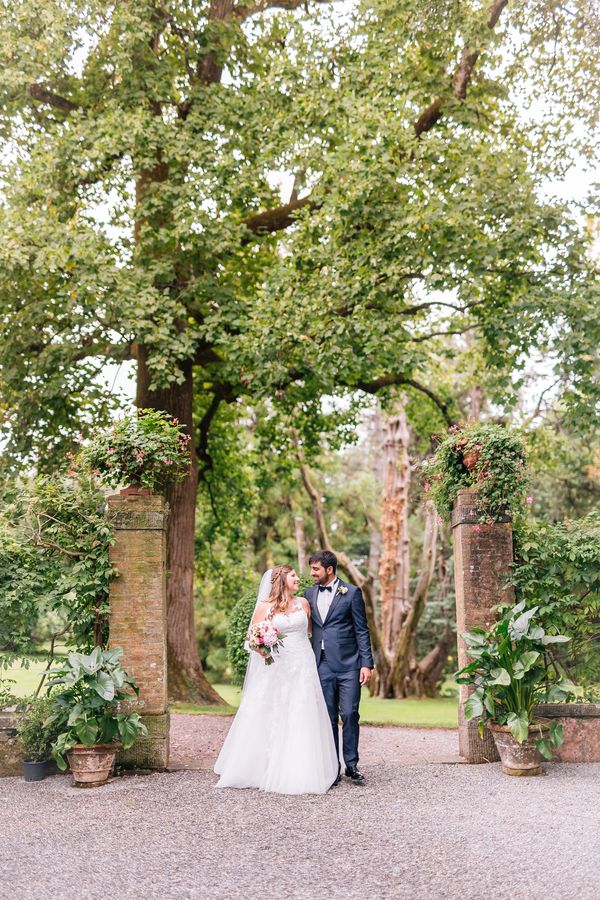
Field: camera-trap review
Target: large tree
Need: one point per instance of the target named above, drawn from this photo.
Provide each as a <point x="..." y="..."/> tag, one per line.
<point x="142" y="221"/>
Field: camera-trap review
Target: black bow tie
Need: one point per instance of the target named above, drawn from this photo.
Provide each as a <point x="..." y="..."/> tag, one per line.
<point x="325" y="588"/>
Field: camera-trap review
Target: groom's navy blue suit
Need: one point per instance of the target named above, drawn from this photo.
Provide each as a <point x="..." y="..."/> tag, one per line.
<point x="347" y="648"/>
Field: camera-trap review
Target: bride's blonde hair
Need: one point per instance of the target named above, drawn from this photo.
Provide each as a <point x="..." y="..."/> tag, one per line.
<point x="278" y="597"/>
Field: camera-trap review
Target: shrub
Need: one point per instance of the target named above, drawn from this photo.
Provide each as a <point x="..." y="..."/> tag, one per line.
<point x="54" y="561"/>
<point x="238" y="628"/>
<point x="557" y="568"/>
<point x="34" y="734"/>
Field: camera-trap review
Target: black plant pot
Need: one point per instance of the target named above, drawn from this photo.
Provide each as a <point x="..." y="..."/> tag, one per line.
<point x="35" y="771"/>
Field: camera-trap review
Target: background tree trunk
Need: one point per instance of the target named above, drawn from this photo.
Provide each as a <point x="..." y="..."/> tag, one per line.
<point x="300" y="544"/>
<point x="186" y="680"/>
<point x="394" y="564"/>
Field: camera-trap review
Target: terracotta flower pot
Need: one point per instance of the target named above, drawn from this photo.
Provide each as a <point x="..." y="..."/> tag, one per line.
<point x="470" y="459"/>
<point x="91" y="765"/>
<point x="516" y="758"/>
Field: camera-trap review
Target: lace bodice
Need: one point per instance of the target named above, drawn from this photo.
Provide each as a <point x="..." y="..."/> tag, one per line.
<point x="293" y="623"/>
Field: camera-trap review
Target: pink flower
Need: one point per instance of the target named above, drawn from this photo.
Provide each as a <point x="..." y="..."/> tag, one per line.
<point x="427" y="485"/>
<point x="529" y="501"/>
<point x="476" y="527"/>
<point x="168" y="462"/>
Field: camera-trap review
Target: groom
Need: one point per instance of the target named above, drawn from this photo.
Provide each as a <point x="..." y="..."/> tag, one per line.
<point x="342" y="647"/>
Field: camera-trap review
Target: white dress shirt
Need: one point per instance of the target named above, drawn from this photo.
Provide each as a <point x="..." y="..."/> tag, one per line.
<point x="324" y="599"/>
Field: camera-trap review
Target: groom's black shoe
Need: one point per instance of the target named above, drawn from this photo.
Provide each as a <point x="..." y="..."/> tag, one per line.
<point x="354" y="775"/>
<point x="338" y="779"/>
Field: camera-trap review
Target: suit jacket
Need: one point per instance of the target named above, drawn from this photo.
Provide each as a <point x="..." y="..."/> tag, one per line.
<point x="344" y="633"/>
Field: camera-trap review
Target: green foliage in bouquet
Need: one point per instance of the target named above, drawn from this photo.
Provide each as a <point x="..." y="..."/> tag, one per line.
<point x="147" y="448"/>
<point x="511" y="673"/>
<point x="497" y="468"/>
<point x="87" y="709"/>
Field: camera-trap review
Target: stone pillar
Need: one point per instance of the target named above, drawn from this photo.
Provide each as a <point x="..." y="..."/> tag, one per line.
<point x="482" y="556"/>
<point x="138" y="616"/>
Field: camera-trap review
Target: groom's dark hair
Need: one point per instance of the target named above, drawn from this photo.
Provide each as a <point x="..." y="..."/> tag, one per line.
<point x="325" y="557"/>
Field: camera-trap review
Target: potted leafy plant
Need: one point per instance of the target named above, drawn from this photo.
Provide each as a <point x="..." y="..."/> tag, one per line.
<point x="482" y="456"/>
<point x="510" y="675"/>
<point x="35" y="737"/>
<point x="144" y="451"/>
<point x="87" y="715"/>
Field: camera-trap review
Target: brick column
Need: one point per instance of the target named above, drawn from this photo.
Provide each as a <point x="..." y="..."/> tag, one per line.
<point x="482" y="556"/>
<point x="138" y="616"/>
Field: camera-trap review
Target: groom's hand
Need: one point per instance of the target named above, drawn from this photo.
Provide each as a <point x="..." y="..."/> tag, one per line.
<point x="365" y="675"/>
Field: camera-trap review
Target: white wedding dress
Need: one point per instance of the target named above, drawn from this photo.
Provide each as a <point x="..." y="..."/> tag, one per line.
<point x="281" y="738"/>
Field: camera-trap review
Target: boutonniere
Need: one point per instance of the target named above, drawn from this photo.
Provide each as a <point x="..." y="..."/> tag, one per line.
<point x="343" y="590"/>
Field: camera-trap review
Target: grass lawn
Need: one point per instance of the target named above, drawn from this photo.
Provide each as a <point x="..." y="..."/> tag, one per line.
<point x="26" y="680"/>
<point x="438" y="713"/>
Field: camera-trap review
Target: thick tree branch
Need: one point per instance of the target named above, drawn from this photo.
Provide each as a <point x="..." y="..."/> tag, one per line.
<point x="279" y="217"/>
<point x="44" y="95"/>
<point x="117" y="352"/>
<point x="244" y="12"/>
<point x="372" y="387"/>
<point x="461" y="77"/>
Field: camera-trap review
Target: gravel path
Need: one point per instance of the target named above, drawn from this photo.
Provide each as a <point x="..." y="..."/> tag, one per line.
<point x="196" y="741"/>
<point x="422" y="832"/>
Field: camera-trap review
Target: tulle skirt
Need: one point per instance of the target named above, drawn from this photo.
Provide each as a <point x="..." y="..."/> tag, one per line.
<point x="281" y="739"/>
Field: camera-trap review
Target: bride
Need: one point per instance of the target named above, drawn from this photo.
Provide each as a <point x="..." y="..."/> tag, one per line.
<point x="281" y="738"/>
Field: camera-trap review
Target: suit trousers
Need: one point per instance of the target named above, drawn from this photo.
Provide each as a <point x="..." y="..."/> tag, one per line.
<point x="342" y="696"/>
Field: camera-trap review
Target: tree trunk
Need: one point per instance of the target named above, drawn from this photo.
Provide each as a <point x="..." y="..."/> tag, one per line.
<point x="186" y="679"/>
<point x="394" y="565"/>
<point x="423" y="677"/>
<point x="300" y="543"/>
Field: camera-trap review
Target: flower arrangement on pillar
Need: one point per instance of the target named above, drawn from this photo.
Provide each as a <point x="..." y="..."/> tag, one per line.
<point x="483" y="457"/>
<point x="144" y="451"/>
<point x="512" y="670"/>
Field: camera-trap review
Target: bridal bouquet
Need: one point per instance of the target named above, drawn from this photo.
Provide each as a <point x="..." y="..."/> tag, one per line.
<point x="266" y="639"/>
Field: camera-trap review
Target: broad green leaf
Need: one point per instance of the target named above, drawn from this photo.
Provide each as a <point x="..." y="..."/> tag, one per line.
<point x="518" y="725"/>
<point x="104" y="685"/>
<point x="524" y="663"/>
<point x="545" y="747"/>
<point x="519" y="627"/>
<point x="499" y="676"/>
<point x="473" y="707"/>
<point x="556" y="734"/>
<point x="87" y="732"/>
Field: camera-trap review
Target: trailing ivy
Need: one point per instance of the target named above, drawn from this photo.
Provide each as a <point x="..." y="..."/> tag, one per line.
<point x="497" y="469"/>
